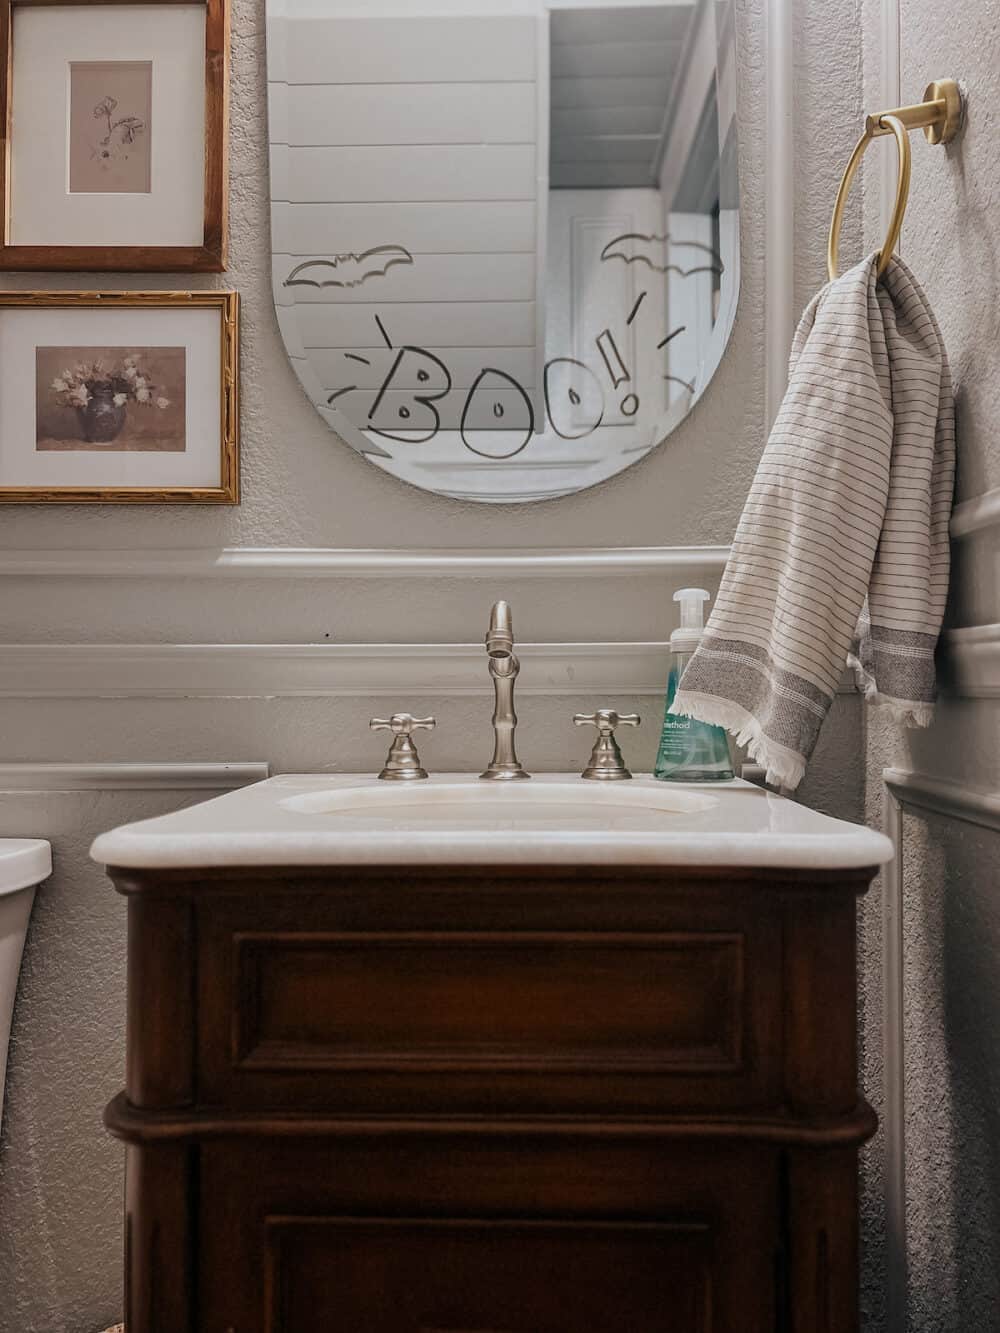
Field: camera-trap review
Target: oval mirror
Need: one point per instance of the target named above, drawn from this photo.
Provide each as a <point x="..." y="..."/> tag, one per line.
<point x="505" y="234"/>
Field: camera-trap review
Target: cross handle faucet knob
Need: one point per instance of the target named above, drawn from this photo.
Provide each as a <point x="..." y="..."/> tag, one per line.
<point x="606" y="762"/>
<point x="402" y="724"/>
<point x="403" y="763"/>
<point x="606" y="720"/>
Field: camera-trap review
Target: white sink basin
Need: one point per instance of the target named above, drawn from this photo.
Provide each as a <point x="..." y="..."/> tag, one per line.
<point x="555" y="819"/>
<point x="470" y="804"/>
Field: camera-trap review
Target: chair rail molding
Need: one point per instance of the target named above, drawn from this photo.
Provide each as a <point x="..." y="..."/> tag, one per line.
<point x="128" y="776"/>
<point x="976" y="514"/>
<point x="253" y="562"/>
<point x="941" y="796"/>
<point x="972" y="655"/>
<point x="323" y="670"/>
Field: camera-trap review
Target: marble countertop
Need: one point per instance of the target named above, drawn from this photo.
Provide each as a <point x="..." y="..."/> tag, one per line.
<point x="555" y="819"/>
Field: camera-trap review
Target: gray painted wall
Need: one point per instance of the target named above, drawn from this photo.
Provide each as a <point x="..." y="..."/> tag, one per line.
<point x="60" y="1176"/>
<point x="951" y="912"/>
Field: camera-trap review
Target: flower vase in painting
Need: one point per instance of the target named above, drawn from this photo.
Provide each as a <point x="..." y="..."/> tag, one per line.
<point x="121" y="399"/>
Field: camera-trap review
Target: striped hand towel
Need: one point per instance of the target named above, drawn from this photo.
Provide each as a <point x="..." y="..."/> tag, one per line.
<point x="842" y="550"/>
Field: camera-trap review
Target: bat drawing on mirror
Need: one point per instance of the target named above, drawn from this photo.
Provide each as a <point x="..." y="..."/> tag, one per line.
<point x="350" y="269"/>
<point x="634" y="247"/>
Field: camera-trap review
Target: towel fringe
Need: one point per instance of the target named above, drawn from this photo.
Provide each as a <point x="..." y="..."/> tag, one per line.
<point x="783" y="767"/>
<point x="906" y="712"/>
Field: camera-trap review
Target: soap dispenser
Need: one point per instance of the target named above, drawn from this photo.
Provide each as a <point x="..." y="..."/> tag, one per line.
<point x="690" y="751"/>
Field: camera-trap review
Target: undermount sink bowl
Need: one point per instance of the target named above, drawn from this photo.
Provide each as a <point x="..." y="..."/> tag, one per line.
<point x="467" y="803"/>
<point x="455" y="819"/>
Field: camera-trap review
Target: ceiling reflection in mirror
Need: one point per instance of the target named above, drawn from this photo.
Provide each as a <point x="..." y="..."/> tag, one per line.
<point x="505" y="236"/>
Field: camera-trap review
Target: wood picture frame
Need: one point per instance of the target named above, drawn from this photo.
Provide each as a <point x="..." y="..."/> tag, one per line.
<point x="207" y="257"/>
<point x="25" y="443"/>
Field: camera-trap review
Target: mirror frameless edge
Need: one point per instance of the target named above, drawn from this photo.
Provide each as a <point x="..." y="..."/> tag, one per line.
<point x="505" y="237"/>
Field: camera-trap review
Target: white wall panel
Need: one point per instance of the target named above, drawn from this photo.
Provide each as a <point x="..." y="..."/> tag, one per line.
<point x="411" y="173"/>
<point x="430" y="278"/>
<point x="321" y="114"/>
<point x="423" y="324"/>
<point x="452" y="228"/>
<point x="593" y="148"/>
<point x="600" y="176"/>
<point x="629" y="120"/>
<point x="585" y="59"/>
<point x="597" y="25"/>
<point x="320" y="670"/>
<point x="595" y="92"/>
<point x="421" y="49"/>
<point x="333" y="369"/>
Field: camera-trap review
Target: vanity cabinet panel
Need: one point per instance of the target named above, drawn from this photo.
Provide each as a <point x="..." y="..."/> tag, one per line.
<point x="474" y="1023"/>
<point x="459" y="1100"/>
<point x="541" y="1236"/>
<point x="483" y="1007"/>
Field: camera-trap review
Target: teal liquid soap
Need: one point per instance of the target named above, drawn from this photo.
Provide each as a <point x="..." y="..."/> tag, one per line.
<point x="690" y="751"/>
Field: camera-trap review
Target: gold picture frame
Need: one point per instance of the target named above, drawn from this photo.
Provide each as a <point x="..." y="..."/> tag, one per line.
<point x="27" y="455"/>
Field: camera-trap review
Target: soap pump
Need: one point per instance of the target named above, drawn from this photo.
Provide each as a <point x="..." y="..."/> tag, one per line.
<point x="690" y="751"/>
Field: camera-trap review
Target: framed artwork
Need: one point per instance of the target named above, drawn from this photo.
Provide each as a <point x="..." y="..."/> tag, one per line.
<point x="119" y="397"/>
<point x="115" y="149"/>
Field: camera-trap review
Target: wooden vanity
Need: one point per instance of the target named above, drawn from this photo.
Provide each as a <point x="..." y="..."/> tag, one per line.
<point x="474" y="1099"/>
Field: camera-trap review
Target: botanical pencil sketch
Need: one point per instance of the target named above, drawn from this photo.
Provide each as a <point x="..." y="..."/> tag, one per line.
<point x="109" y="127"/>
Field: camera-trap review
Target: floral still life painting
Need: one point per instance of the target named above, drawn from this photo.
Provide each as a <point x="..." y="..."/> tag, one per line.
<point x="110" y="398"/>
<point x="109" y="127"/>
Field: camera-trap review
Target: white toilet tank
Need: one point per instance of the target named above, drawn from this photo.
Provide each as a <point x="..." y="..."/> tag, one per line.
<point x="24" y="863"/>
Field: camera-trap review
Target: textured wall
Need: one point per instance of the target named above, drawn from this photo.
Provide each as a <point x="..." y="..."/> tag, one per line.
<point x="951" y="240"/>
<point x="60" y="1177"/>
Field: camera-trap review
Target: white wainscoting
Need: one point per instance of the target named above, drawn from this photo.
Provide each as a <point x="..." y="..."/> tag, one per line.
<point x="321" y="670"/>
<point x="904" y="790"/>
<point x="318" y="670"/>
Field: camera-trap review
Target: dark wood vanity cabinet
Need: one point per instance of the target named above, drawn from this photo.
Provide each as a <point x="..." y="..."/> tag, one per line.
<point x="482" y="1101"/>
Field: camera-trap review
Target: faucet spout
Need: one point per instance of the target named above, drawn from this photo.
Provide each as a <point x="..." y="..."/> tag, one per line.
<point x="500" y="635"/>
<point x="503" y="668"/>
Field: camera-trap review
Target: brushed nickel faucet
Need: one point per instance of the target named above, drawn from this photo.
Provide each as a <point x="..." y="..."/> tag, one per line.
<point x="504" y="667"/>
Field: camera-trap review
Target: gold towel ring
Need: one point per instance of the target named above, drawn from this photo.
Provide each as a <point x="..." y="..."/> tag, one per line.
<point x="898" y="130"/>
<point x="940" y="115"/>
